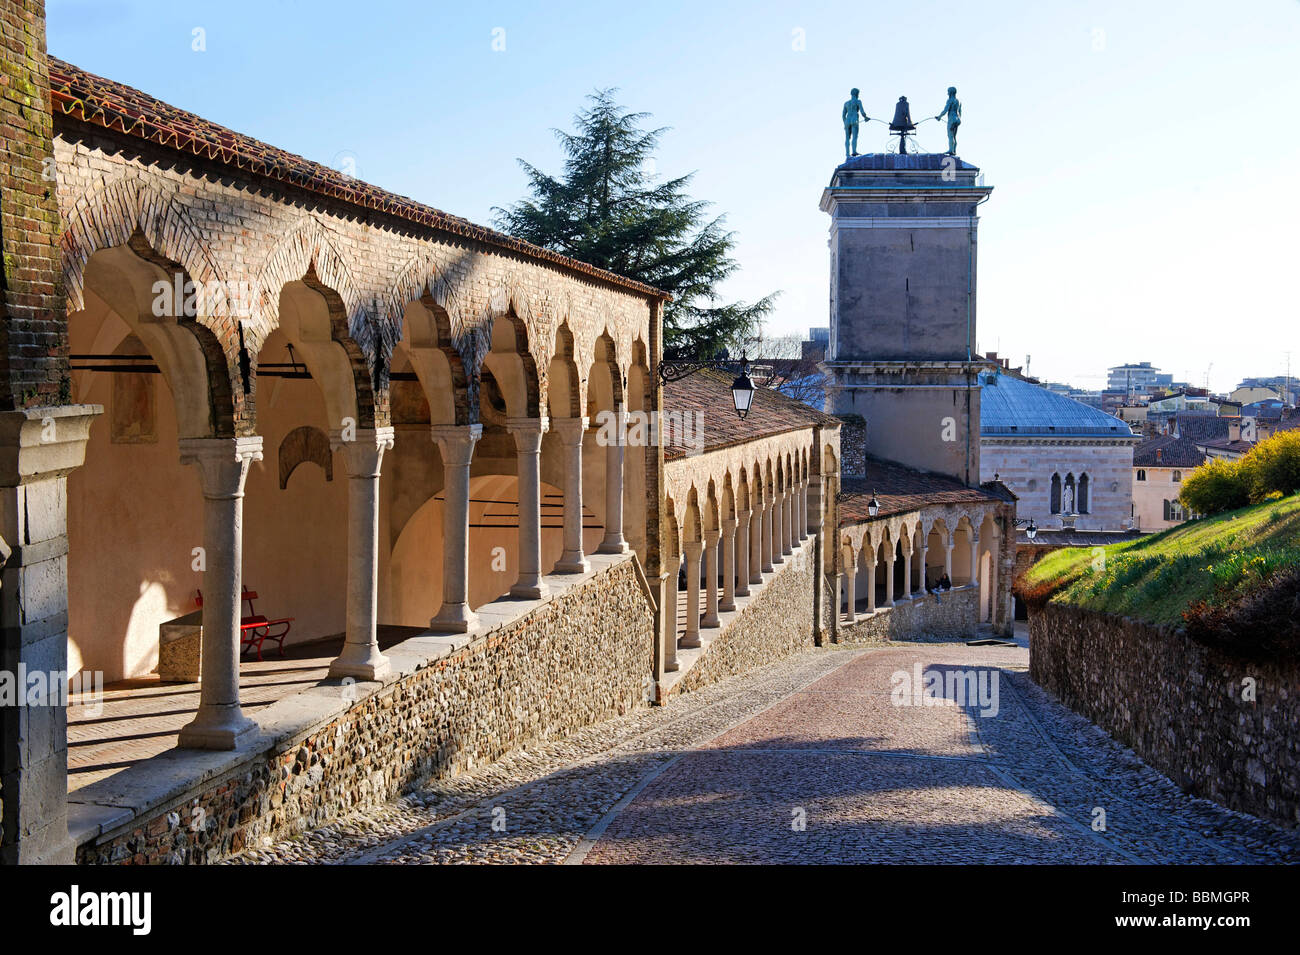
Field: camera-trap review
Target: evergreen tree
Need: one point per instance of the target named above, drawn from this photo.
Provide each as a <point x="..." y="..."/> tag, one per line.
<point x="609" y="211"/>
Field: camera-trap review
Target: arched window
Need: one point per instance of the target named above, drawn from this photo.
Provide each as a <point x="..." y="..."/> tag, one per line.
<point x="1142" y="475"/>
<point x="1083" y="494"/>
<point x="1056" y="494"/>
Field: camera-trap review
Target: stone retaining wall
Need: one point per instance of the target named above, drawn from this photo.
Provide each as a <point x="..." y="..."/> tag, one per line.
<point x="1179" y="705"/>
<point x="952" y="614"/>
<point x="580" y="657"/>
<point x="776" y="623"/>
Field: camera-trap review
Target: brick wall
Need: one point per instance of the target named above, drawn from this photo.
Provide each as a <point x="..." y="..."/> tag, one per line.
<point x="32" y="328"/>
<point x="1179" y="705"/>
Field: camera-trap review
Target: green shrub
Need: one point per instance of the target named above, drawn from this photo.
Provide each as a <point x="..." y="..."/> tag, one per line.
<point x="1217" y="485"/>
<point x="1272" y="467"/>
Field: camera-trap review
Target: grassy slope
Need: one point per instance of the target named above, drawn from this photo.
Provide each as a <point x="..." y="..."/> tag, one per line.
<point x="1156" y="578"/>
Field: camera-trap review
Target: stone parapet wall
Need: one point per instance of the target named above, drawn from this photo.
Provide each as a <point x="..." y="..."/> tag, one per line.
<point x="952" y="614"/>
<point x="773" y="625"/>
<point x="1179" y="705"/>
<point x="580" y="657"/>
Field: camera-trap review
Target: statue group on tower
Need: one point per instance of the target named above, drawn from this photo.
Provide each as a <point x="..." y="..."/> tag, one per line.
<point x="853" y="110"/>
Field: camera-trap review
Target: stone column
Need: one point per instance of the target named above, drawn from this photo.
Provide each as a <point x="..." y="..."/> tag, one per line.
<point x="691" y="638"/>
<point x="974" y="559"/>
<point x="778" y="528"/>
<point x="614" y="542"/>
<point x="364" y="456"/>
<point x="528" y="444"/>
<point x="728" y="601"/>
<point x="40" y="448"/>
<point x="791" y="512"/>
<point x="907" y="573"/>
<point x="851" y="585"/>
<point x="871" y="584"/>
<point x="924" y="550"/>
<point x="711" y="537"/>
<point x="768" y="508"/>
<point x="947" y="558"/>
<point x="889" y="579"/>
<point x="222" y="464"/>
<point x="573" y="560"/>
<point x="743" y="519"/>
<point x="673" y="566"/>
<point x="456" y="443"/>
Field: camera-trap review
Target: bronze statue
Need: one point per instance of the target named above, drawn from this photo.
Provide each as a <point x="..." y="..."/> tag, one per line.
<point x="850" y="113"/>
<point x="952" y="109"/>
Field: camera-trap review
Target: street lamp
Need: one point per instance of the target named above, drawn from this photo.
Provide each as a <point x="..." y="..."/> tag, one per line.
<point x="873" y="506"/>
<point x="1032" y="530"/>
<point x="742" y="391"/>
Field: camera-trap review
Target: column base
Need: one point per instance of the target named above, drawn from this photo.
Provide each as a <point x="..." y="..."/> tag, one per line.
<point x="778" y="559"/>
<point x="740" y="592"/>
<point x="572" y="564"/>
<point x="365" y="663"/>
<point x="221" y="727"/>
<point x="672" y="667"/>
<point x="727" y="605"/>
<point x="613" y="547"/>
<point x="689" y="641"/>
<point x="454" y="618"/>
<point x="767" y="569"/>
<point x="533" y="589"/>
<point x="710" y="621"/>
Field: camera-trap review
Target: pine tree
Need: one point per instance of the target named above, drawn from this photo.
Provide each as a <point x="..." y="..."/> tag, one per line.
<point x="608" y="210"/>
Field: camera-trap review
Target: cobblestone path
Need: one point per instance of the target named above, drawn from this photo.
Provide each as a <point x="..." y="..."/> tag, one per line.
<point x="811" y="760"/>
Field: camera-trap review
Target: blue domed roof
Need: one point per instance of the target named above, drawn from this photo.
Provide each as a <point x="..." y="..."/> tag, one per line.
<point x="1012" y="406"/>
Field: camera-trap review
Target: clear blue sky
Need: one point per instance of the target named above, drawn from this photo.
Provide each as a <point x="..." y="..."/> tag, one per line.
<point x="1144" y="154"/>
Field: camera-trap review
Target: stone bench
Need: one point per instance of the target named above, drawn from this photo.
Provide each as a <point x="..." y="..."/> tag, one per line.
<point x="180" y="648"/>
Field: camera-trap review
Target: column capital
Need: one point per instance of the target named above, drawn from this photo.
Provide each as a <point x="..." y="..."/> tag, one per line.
<point x="570" y="430"/>
<point x="222" y="463"/>
<point x="456" y="442"/>
<point x="728" y="526"/>
<point x="365" y="452"/>
<point x="37" y="444"/>
<point x="692" y="549"/>
<point x="528" y="433"/>
<point x="744" y="515"/>
<point x="711" y="535"/>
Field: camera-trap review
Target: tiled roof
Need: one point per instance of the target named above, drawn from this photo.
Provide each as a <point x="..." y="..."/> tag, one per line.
<point x="1012" y="407"/>
<point x="1226" y="444"/>
<point x="1168" y="452"/>
<point x="1201" y="427"/>
<point x="901" y="489"/>
<point x="889" y="162"/>
<point x="103" y="102"/>
<point x="708" y="393"/>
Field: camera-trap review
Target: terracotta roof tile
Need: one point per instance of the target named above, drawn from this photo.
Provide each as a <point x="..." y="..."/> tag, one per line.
<point x="103" y="102"/>
<point x="708" y="394"/>
<point x="1168" y="452"/>
<point x="901" y="489"/>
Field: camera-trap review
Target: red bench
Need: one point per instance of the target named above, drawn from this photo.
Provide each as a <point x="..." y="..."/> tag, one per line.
<point x="255" y="629"/>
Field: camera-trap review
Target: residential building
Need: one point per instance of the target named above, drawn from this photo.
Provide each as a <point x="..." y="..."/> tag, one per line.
<point x="1159" y="467"/>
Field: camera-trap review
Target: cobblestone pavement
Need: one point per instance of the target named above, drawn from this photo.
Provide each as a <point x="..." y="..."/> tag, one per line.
<point x="810" y="760"/>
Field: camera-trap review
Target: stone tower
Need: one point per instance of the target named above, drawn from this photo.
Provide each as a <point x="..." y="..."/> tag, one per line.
<point x="902" y="347"/>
